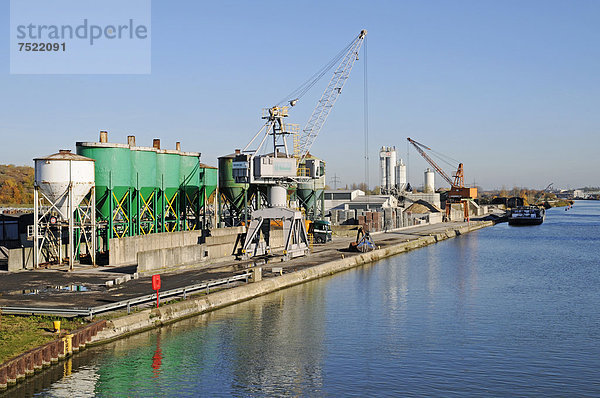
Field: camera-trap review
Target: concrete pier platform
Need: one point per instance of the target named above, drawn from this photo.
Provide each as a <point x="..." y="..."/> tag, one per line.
<point x="87" y="287"/>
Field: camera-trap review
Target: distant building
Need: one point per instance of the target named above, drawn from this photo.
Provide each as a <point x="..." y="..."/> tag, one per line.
<point x="334" y="198"/>
<point x="434" y="198"/>
<point x="372" y="203"/>
<point x="357" y="200"/>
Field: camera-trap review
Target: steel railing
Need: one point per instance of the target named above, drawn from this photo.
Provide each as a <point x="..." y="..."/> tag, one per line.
<point x="90" y="312"/>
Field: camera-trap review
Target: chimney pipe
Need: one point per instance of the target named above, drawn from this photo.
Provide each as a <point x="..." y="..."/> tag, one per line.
<point x="103" y="136"/>
<point x="131" y="140"/>
<point x="178" y="146"/>
<point x="156" y="143"/>
<point x="64" y="151"/>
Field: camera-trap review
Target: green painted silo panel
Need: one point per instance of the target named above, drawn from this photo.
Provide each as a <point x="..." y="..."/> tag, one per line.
<point x="208" y="178"/>
<point x="233" y="191"/>
<point x="306" y="194"/>
<point x="143" y="170"/>
<point x="113" y="172"/>
<point x="310" y="191"/>
<point x="190" y="174"/>
<point x="167" y="172"/>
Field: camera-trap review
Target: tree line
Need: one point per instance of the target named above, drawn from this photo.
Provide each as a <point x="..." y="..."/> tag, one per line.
<point x="16" y="185"/>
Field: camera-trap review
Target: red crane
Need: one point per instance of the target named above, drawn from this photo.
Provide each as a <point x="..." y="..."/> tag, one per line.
<point x="458" y="192"/>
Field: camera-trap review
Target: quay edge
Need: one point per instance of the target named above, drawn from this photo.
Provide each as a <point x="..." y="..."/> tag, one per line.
<point x="156" y="317"/>
<point x="104" y="331"/>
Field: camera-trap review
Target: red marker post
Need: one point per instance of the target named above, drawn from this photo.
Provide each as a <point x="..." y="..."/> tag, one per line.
<point x="156" y="286"/>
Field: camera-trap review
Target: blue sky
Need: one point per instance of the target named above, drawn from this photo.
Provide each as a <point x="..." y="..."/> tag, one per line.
<point x="510" y="88"/>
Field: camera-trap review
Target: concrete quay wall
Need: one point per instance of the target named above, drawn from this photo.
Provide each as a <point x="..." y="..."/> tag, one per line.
<point x="218" y="246"/>
<point x="156" y="317"/>
<point x="125" y="250"/>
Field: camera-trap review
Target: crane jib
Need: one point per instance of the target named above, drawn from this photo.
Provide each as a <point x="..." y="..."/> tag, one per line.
<point x="328" y="98"/>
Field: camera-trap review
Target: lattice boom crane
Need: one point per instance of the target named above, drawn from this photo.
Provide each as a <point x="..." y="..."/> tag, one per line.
<point x="457" y="186"/>
<point x="334" y="89"/>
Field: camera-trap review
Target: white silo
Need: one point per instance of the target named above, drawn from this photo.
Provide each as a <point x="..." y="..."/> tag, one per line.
<point x="401" y="183"/>
<point x="62" y="182"/>
<point x="429" y="185"/>
<point x="387" y="171"/>
<point x="277" y="196"/>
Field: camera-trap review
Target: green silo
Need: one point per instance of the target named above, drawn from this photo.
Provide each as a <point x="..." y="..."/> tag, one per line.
<point x="231" y="190"/>
<point x="167" y="181"/>
<point x="143" y="181"/>
<point x="208" y="181"/>
<point x="113" y="185"/>
<point x="190" y="185"/>
<point x="237" y="196"/>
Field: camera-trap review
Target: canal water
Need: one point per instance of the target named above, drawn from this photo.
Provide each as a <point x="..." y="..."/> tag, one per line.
<point x="504" y="311"/>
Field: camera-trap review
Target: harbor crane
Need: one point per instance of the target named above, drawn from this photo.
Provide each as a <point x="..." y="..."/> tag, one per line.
<point x="248" y="166"/>
<point x="277" y="167"/>
<point x="458" y="192"/>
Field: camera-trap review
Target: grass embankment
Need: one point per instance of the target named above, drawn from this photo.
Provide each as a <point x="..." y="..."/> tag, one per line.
<point x="19" y="334"/>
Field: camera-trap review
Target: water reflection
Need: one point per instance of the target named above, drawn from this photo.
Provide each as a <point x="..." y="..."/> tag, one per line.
<point x="271" y="345"/>
<point x="157" y="358"/>
<point x="498" y="312"/>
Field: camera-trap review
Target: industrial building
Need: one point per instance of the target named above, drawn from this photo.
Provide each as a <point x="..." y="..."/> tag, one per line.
<point x="335" y="198"/>
<point x="84" y="202"/>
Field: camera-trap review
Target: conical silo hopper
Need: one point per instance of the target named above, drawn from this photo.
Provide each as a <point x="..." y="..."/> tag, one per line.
<point x="62" y="181"/>
<point x="113" y="183"/>
<point x="190" y="174"/>
<point x="167" y="181"/>
<point x="232" y="191"/>
<point x="208" y="182"/>
<point x="54" y="175"/>
<point x="143" y="181"/>
<point x="189" y="177"/>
